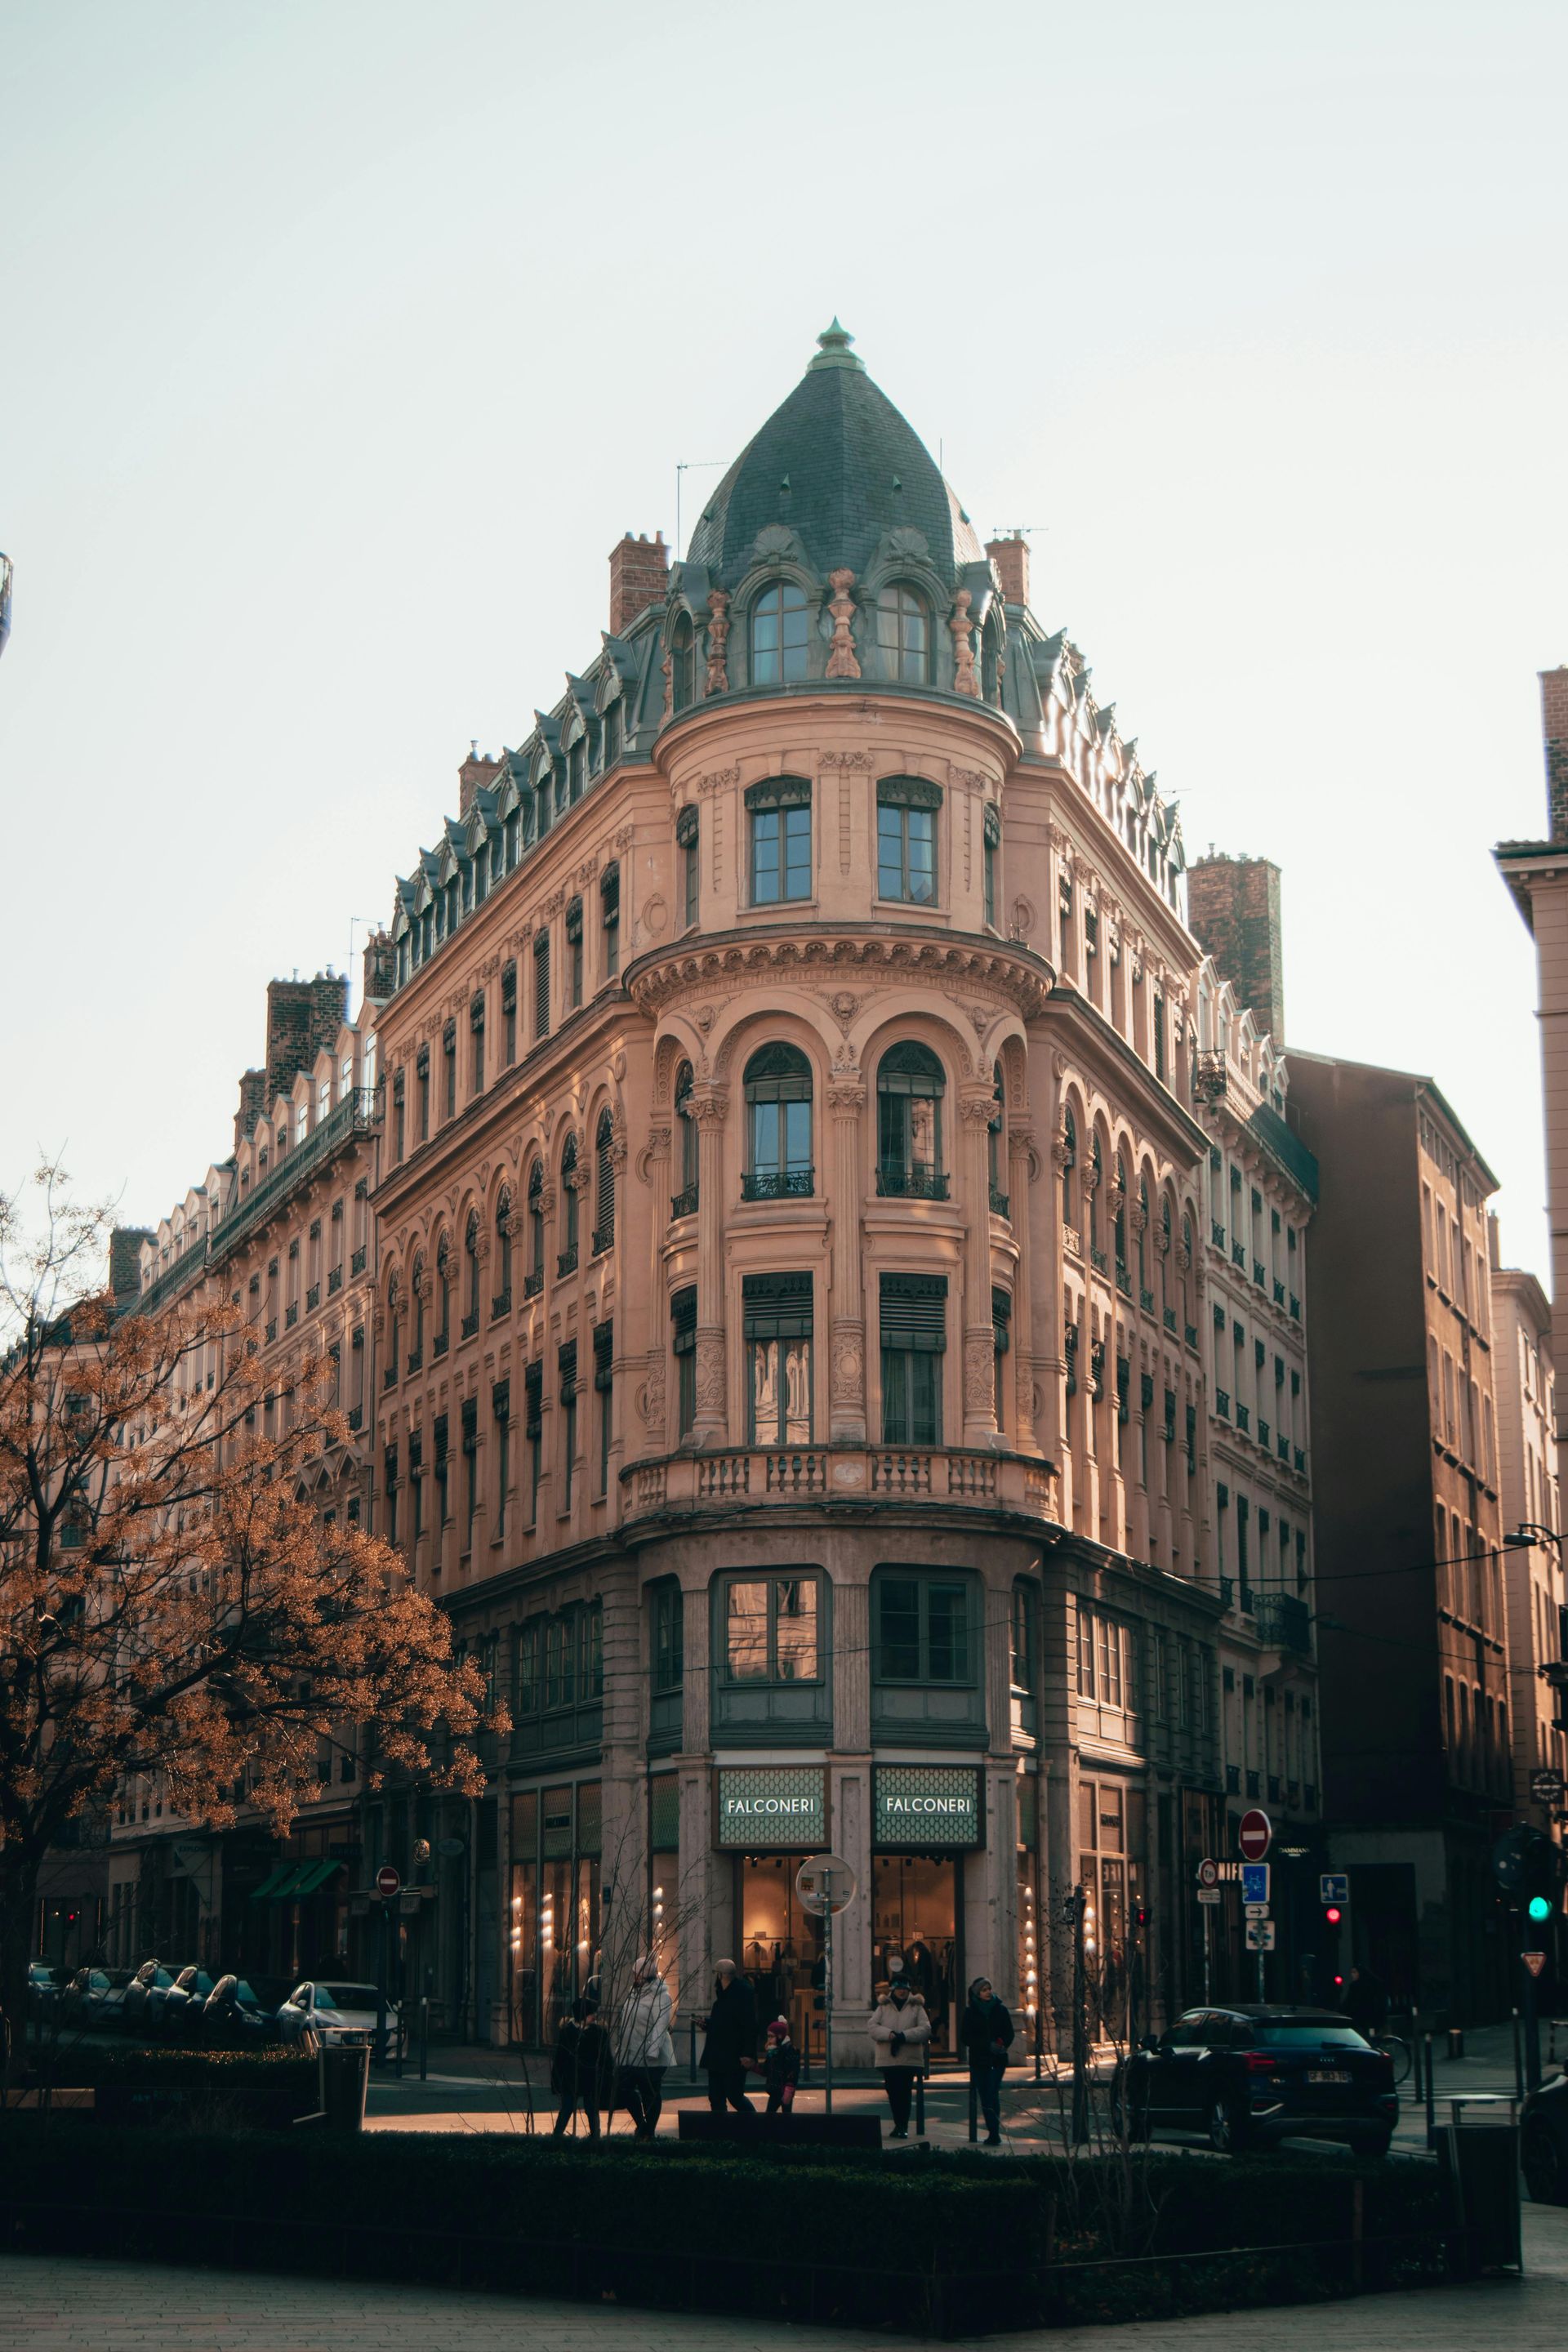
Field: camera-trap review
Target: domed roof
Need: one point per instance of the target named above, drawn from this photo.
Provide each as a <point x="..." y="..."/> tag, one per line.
<point x="840" y="466"/>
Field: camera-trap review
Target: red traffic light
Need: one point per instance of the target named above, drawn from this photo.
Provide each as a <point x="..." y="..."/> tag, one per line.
<point x="1338" y="1983"/>
<point x="1333" y="1915"/>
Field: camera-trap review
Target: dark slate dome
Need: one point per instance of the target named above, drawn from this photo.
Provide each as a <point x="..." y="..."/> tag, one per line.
<point x="838" y="465"/>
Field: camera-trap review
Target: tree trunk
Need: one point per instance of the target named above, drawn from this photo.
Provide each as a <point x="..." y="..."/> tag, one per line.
<point x="18" y="1905"/>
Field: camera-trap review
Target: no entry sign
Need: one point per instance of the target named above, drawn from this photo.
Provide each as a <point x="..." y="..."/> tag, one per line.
<point x="387" y="1881"/>
<point x="1254" y="1834"/>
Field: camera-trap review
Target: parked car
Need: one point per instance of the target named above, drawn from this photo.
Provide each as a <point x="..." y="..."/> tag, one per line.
<point x="1253" y="2074"/>
<point x="150" y="1978"/>
<point x="231" y="2016"/>
<point x="43" y="1990"/>
<point x="1543" y="2142"/>
<point x="93" y="1999"/>
<point x="339" y="2012"/>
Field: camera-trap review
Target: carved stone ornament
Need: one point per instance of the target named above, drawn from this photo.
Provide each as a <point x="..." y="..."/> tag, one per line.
<point x="846" y="1099"/>
<point x="979" y="1373"/>
<point x="625" y="838"/>
<point x="963" y="678"/>
<point x="976" y="1111"/>
<point x="656" y="917"/>
<point x="718" y="681"/>
<point x="618" y="1139"/>
<point x="1183" y="1257"/>
<point x="650" y="1397"/>
<point x="547" y="1200"/>
<point x="841" y="661"/>
<point x="712" y="1378"/>
<point x="971" y="777"/>
<point x="844" y="1007"/>
<point x="1138" y="1217"/>
<point x="1061" y="1154"/>
<point x="1023" y="918"/>
<point x="845" y="761"/>
<point x="668" y="668"/>
<point x="1089" y="1176"/>
<point x="717" y="779"/>
<point x="849" y="1362"/>
<point x="709" y="1105"/>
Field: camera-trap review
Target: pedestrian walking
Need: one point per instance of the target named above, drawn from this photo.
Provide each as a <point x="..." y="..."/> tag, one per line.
<point x="781" y="2067"/>
<point x="900" y="2035"/>
<point x="986" y="2035"/>
<point x="1366" y="2002"/>
<point x="644" y="2047"/>
<point x="731" y="2046"/>
<point x="580" y="2070"/>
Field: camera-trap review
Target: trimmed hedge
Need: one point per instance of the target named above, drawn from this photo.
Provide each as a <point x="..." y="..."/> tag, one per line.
<point x="931" y="2244"/>
<point x="97" y="2066"/>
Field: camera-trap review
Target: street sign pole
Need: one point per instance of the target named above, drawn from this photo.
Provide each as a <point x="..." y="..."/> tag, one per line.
<point x="1530" y="2008"/>
<point x="828" y="2010"/>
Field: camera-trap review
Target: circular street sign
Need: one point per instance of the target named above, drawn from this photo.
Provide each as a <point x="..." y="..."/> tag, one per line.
<point x="450" y="1848"/>
<point x="1546" y="1785"/>
<point x="824" y="1882"/>
<point x="387" y="1881"/>
<point x="1254" y="1834"/>
<point x="1209" y="1872"/>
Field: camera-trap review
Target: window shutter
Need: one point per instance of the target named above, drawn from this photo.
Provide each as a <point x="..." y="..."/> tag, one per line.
<point x="686" y="828"/>
<point x="575" y="918"/>
<point x="1001" y="1317"/>
<point x="470" y="1425"/>
<point x="542" y="984"/>
<point x="500" y="1399"/>
<point x="604" y="1353"/>
<point x="683" y="1316"/>
<point x="778" y="793"/>
<point x="914" y="1311"/>
<point x="507" y="986"/>
<point x="567" y="1360"/>
<point x="907" y="792"/>
<point x="533" y="1398"/>
<point x="777" y="1306"/>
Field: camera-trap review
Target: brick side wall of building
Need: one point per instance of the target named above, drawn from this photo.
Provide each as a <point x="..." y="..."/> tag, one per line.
<point x="302" y="1016"/>
<point x="1555" y="733"/>
<point x="1233" y="908"/>
<point x="252" y="1102"/>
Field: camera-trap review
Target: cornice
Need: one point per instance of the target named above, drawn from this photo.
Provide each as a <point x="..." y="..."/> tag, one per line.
<point x="1159" y="1105"/>
<point x="946" y="958"/>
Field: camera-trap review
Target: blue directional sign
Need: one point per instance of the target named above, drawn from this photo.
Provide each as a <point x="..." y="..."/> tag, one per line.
<point x="1334" y="1886"/>
<point x="1255" y="1882"/>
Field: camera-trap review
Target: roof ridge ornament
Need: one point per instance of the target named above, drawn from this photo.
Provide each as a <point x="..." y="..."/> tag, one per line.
<point x="835" y="351"/>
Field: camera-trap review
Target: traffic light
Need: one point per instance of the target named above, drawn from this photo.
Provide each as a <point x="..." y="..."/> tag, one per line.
<point x="1528" y="1866"/>
<point x="1333" y="1974"/>
<point x="1332" y="1914"/>
<point x="1139" y="1915"/>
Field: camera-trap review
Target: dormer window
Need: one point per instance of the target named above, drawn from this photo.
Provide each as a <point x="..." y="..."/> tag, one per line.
<point x="681" y="664"/>
<point x="577" y="766"/>
<point x="611" y="734"/>
<point x="778" y="635"/>
<point x="903" y="634"/>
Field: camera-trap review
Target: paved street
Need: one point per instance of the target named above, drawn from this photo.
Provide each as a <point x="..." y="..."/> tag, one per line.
<point x="46" y="2305"/>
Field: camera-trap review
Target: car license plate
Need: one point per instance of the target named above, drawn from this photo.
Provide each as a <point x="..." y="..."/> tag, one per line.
<point x="1328" y="2075"/>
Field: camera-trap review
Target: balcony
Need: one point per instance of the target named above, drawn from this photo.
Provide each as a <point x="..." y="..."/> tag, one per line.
<point x="501" y="1304"/>
<point x="1146" y="1301"/>
<point x="778" y="1184"/>
<point x="1169" y="1318"/>
<point x="683" y="1203"/>
<point x="1282" y="1446"/>
<point x="357" y="1263"/>
<point x="312" y="1297"/>
<point x="389" y="1377"/>
<point x="356" y="1115"/>
<point x="604" y="1239"/>
<point x="917" y="1181"/>
<point x="1300" y="1460"/>
<point x="742" y="1476"/>
<point x="1098" y="1258"/>
<point x="1238" y="1255"/>
<point x="1216" y="1231"/>
<point x="1295" y="1307"/>
<point x="1227" y="1593"/>
<point x="334" y="1279"/>
<point x="1284" y="1622"/>
<point x="1243" y="1416"/>
<point x="291" y="1314"/>
<point x="566" y="1263"/>
<point x="415" y="1359"/>
<point x="356" y="1416"/>
<point x="532" y="1284"/>
<point x="1261" y="1275"/>
<point x="1263" y="1435"/>
<point x="1191" y="1334"/>
<point x="1279" y="1294"/>
<point x="439" y="1345"/>
<point x="470" y="1324"/>
<point x="1222" y="1404"/>
<point x="1249" y="1599"/>
<point x="1123" y="1279"/>
<point x="272" y="1331"/>
<point x="1001" y="1204"/>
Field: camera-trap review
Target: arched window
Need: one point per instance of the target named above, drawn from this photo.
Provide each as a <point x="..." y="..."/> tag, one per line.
<point x="910" y="1088"/>
<point x="1145" y="1296"/>
<point x="1167" y="1313"/>
<point x="778" y="635"/>
<point x="1120" y="1233"/>
<point x="443" y="1295"/>
<point x="605" y="1181"/>
<point x="680" y="664"/>
<point x="534" y="1280"/>
<point x="471" y="1258"/>
<point x="566" y="1257"/>
<point x="577" y="764"/>
<point x="1095" y="1172"/>
<point x="393" y="1330"/>
<point x="417" y="1314"/>
<point x="994" y="1144"/>
<point x="903" y="632"/>
<point x="1069" y="1165"/>
<point x="685" y="1200"/>
<point x="503" y="1251"/>
<point x="1184" y="1270"/>
<point x="778" y="1125"/>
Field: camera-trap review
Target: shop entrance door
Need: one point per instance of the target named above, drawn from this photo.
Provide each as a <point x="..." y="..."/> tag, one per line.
<point x="916" y="1906"/>
<point x="781" y="1949"/>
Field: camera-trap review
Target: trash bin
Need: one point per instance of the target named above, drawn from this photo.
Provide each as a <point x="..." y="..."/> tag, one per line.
<point x="345" y="2075"/>
<point x="1479" y="2153"/>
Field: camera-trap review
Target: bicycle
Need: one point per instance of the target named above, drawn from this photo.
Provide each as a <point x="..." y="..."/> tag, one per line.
<point x="1393" y="2048"/>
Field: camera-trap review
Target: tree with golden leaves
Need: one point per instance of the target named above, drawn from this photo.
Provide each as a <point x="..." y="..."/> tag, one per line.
<point x="171" y="1607"/>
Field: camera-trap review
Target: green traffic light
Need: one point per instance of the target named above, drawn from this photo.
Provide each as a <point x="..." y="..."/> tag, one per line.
<point x="1539" y="1908"/>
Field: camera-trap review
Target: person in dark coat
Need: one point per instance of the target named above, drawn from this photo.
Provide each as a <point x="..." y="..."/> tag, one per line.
<point x="986" y="2035"/>
<point x="581" y="2069"/>
<point x="1366" y="2002"/>
<point x="731" y="2043"/>
<point x="781" y="2067"/>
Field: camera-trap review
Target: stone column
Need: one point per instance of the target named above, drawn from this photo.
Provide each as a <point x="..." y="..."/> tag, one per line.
<point x="649" y="1398"/>
<point x="847" y="1408"/>
<point x="710" y="1108"/>
<point x="976" y="1107"/>
<point x="1020" y="1159"/>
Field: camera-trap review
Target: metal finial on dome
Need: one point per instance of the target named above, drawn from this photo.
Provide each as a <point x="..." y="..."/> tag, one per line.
<point x="835" y="351"/>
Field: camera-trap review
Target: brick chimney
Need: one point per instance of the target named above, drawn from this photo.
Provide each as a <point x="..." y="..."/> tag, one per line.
<point x="124" y="1259"/>
<point x="1233" y="909"/>
<point x="378" y="966"/>
<point x="639" y="576"/>
<point x="1555" y="732"/>
<point x="302" y="1016"/>
<point x="252" y="1103"/>
<point x="475" y="771"/>
<point x="1011" y="557"/>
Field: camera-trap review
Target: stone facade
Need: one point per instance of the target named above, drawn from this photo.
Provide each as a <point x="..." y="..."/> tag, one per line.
<point x="1532" y="1569"/>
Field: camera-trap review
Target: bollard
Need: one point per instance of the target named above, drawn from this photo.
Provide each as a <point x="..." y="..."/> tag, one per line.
<point x="974" y="2109"/>
<point x="1518" y="2056"/>
<point x="1455" y="2041"/>
<point x="694" y="2049"/>
<point x="1431" y="2098"/>
<point x="920" y="2108"/>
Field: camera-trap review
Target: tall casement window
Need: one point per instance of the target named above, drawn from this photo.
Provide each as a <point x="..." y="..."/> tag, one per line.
<point x="604" y="1182"/>
<point x="577" y="764"/>
<point x="399" y="1111"/>
<point x="471" y="1274"/>
<point x="534" y="1280"/>
<point x="393" y="1333"/>
<point x="667" y="1657"/>
<point x="469" y="1427"/>
<point x="542" y="798"/>
<point x="477" y="1041"/>
<point x="416" y="1481"/>
<point x="443" y="1295"/>
<point x="910" y="1088"/>
<point x="920" y="1628"/>
<point x="611" y="734"/>
<point x="610" y="908"/>
<point x="501" y="1303"/>
<point x="686" y="834"/>
<point x="778" y="1119"/>
<point x="603" y="1391"/>
<point x="777" y="1309"/>
<point x="1069" y="1165"/>
<point x="778" y="635"/>
<point x="1159" y="1036"/>
<point x="913" y="1338"/>
<point x="996" y="1144"/>
<point x="567" y="1360"/>
<point x="903" y="632"/>
<point x="509" y="1012"/>
<point x="1118" y="1224"/>
<point x="500" y="1406"/>
<point x="573" y="953"/>
<point x="1141" y="1247"/>
<point x="443" y="1466"/>
<point x="533" y="1429"/>
<point x="906" y="839"/>
<point x="389" y="1494"/>
<point x="991" y="847"/>
<point x="449" y="1070"/>
<point x="778" y="813"/>
<point x="1001" y="1340"/>
<point x="684" y="1201"/>
<point x="422" y="1081"/>
<point x="683" y="1327"/>
<point x="417" y="1314"/>
<point x="681" y="664"/>
<point x="771" y="1629"/>
<point x="566" y="1257"/>
<point x="542" y="985"/>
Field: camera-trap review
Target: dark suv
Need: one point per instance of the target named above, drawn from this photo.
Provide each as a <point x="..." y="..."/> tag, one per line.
<point x="1254" y="2074"/>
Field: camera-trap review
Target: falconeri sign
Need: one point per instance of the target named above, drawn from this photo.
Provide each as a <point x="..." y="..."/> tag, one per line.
<point x="777" y="1805"/>
<point x="925" y="1805"/>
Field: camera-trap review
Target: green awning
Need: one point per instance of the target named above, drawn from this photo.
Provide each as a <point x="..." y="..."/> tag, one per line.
<point x="290" y="1880"/>
<point x="272" y="1885"/>
<point x="314" y="1874"/>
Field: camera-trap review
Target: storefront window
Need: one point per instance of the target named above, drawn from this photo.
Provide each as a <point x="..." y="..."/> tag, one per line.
<point x="554" y="1905"/>
<point x="916" y="1906"/>
<point x="782" y="1948"/>
<point x="1111" y="1821"/>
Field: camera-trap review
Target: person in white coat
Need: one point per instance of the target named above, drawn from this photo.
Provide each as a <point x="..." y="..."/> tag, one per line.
<point x="900" y="2035"/>
<point x="644" y="2047"/>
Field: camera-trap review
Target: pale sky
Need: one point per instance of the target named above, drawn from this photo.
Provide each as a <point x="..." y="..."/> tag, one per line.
<point x="339" y="342"/>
